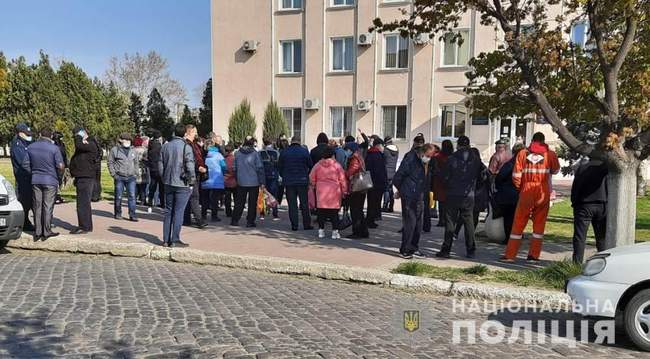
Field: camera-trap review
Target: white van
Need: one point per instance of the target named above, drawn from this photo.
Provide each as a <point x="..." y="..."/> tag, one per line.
<point x="11" y="213"/>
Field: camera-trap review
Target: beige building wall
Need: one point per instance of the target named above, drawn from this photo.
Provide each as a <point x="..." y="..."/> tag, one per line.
<point x="423" y="87"/>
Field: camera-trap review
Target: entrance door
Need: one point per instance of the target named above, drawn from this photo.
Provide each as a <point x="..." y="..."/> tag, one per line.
<point x="511" y="129"/>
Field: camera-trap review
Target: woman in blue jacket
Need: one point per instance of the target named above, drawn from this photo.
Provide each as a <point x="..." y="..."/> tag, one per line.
<point x="214" y="185"/>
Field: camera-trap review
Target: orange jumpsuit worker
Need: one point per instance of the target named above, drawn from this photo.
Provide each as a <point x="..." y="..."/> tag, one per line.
<point x="532" y="177"/>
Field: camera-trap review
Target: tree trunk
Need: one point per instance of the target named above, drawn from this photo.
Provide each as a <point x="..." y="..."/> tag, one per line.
<point x="640" y="180"/>
<point x="621" y="205"/>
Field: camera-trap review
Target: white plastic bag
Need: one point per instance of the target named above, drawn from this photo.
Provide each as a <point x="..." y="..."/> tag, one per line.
<point x="494" y="227"/>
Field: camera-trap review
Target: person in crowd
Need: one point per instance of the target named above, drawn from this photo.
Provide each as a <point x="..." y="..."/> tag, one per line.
<point x="328" y="178"/>
<point x="45" y="164"/>
<point x="356" y="200"/>
<point x="194" y="206"/>
<point x="282" y="144"/>
<point x="481" y="195"/>
<point x="589" y="202"/>
<point x="364" y="143"/>
<point x="428" y="212"/>
<point x="214" y="185"/>
<point x="57" y="137"/>
<point x="178" y="172"/>
<point x="122" y="165"/>
<point x="532" y="175"/>
<point x="411" y="186"/>
<point x="321" y="144"/>
<point x="376" y="164"/>
<point x="82" y="169"/>
<point x="500" y="157"/>
<point x="461" y="175"/>
<point x="155" y="177"/>
<point x="249" y="170"/>
<point x="506" y="195"/>
<point x="294" y="165"/>
<point x="229" y="179"/>
<point x="339" y="152"/>
<point x="270" y="157"/>
<point x="142" y="170"/>
<point x="97" y="188"/>
<point x="391" y="155"/>
<point x="18" y="148"/>
<point x="439" y="189"/>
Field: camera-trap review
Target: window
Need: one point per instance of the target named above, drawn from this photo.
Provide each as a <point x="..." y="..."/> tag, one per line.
<point x="290" y="4"/>
<point x="291" y="56"/>
<point x="396" y="49"/>
<point x="455" y="54"/>
<point x="452" y="120"/>
<point x="394" y="121"/>
<point x="342" y="2"/>
<point x="293" y="116"/>
<point x="342" y="54"/>
<point x="579" y="34"/>
<point x="341" y="121"/>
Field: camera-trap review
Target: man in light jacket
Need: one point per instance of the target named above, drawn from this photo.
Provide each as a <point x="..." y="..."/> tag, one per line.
<point x="249" y="170"/>
<point x="176" y="167"/>
<point x="391" y="155"/>
<point x="122" y="165"/>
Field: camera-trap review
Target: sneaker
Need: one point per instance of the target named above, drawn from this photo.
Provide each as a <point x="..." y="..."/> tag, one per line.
<point x="419" y="254"/>
<point x="133" y="219"/>
<point x="336" y="234"/>
<point x="442" y="254"/>
<point x="275" y="219"/>
<point x="372" y="225"/>
<point x="532" y="259"/>
<point x="505" y="259"/>
<point x="321" y="233"/>
<point x="150" y="210"/>
<point x="118" y="216"/>
<point x="179" y="244"/>
<point x="406" y="256"/>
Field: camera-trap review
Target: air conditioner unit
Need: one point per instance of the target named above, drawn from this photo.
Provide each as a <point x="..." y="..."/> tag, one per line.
<point x="250" y="46"/>
<point x="364" y="39"/>
<point x="364" y="105"/>
<point x="311" y="104"/>
<point x="421" y="39"/>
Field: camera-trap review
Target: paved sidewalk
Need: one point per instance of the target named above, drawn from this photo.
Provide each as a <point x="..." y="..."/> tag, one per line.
<point x="275" y="239"/>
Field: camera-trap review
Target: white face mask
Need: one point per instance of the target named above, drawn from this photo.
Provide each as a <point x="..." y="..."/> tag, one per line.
<point x="426" y="159"/>
<point x="126" y="143"/>
<point x="25" y="137"/>
<point x="82" y="133"/>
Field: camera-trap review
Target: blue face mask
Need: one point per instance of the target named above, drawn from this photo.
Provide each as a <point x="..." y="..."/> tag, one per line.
<point x="82" y="133"/>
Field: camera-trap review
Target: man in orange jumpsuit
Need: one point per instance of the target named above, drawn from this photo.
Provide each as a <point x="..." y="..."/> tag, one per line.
<point x="532" y="177"/>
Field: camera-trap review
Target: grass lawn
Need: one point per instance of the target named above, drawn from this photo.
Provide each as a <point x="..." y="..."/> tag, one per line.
<point x="551" y="277"/>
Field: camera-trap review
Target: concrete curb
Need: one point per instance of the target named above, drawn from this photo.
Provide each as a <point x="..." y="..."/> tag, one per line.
<point x="82" y="245"/>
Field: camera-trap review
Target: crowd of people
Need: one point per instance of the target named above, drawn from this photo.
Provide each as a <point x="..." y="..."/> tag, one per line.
<point x="348" y="183"/>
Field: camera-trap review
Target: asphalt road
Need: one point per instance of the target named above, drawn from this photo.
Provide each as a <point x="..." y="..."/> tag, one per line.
<point x="87" y="306"/>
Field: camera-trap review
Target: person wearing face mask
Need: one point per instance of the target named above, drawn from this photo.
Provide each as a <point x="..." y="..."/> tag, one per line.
<point x="122" y="165"/>
<point x="391" y="154"/>
<point x="440" y="161"/>
<point x="193" y="208"/>
<point x="18" y="148"/>
<point x="153" y="152"/>
<point x="82" y="169"/>
<point x="376" y="164"/>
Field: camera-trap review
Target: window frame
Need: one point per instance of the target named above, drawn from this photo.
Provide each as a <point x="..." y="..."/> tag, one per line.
<point x="353" y="49"/>
<point x="454" y="135"/>
<point x="352" y="122"/>
<point x="353" y="3"/>
<point x="443" y="47"/>
<point x="585" y="34"/>
<point x="293" y="6"/>
<point x="291" y="124"/>
<point x="293" y="60"/>
<point x="397" y="67"/>
<point x="395" y="130"/>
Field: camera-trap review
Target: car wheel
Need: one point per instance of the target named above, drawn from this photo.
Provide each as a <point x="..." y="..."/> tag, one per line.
<point x="637" y="319"/>
<point x="3" y="244"/>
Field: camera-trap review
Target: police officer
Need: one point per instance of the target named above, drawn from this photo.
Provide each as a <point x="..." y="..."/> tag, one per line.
<point x="23" y="178"/>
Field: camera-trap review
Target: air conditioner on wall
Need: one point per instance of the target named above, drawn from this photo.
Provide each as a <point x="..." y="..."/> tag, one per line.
<point x="311" y="104"/>
<point x="250" y="46"/>
<point x="364" y="105"/>
<point x="364" y="39"/>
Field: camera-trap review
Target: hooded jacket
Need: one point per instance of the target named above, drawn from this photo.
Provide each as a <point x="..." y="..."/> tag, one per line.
<point x="462" y="174"/>
<point x="249" y="168"/>
<point x="376" y="164"/>
<point x="329" y="180"/>
<point x="122" y="162"/>
<point x="18" y="154"/>
<point x="534" y="168"/>
<point x="498" y="159"/>
<point x="391" y="154"/>
<point x="216" y="166"/>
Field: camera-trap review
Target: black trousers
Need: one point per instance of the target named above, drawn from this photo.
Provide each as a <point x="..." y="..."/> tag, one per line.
<point x="43" y="200"/>
<point x="84" y="187"/>
<point x="583" y="215"/>
<point x="359" y="228"/>
<point x="426" y="213"/>
<point x="97" y="188"/>
<point x="508" y="212"/>
<point x="442" y="217"/>
<point x="375" y="196"/>
<point x="156" y="183"/>
<point x="328" y="214"/>
<point x="411" y="225"/>
<point x="389" y="196"/>
<point x="25" y="195"/>
<point x="240" y="199"/>
<point x="229" y="199"/>
<point x="211" y="199"/>
<point x="459" y="210"/>
<point x="193" y="207"/>
<point x="295" y="193"/>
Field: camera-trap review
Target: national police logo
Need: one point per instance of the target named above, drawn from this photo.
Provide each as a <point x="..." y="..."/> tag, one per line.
<point x="411" y="320"/>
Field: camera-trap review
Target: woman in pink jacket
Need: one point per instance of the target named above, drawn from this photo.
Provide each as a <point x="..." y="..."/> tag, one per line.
<point x="331" y="185"/>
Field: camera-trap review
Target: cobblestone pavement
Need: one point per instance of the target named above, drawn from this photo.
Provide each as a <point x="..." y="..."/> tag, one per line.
<point x="86" y="306"/>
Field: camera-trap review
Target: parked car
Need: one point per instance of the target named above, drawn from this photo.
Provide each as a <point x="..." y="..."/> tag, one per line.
<point x="616" y="284"/>
<point x="11" y="213"/>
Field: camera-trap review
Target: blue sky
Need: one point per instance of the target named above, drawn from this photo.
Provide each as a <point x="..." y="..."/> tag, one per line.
<point x="89" y="32"/>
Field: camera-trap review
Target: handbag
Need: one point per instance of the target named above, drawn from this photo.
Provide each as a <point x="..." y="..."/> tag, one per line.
<point x="346" y="220"/>
<point x="361" y="181"/>
<point x="270" y="201"/>
<point x="494" y="228"/>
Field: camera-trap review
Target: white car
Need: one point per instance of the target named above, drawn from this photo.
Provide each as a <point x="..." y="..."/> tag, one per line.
<point x="11" y="213"/>
<point x="616" y="283"/>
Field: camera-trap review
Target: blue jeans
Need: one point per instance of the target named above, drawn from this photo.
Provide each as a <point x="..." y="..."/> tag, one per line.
<point x="120" y="184"/>
<point x="175" y="201"/>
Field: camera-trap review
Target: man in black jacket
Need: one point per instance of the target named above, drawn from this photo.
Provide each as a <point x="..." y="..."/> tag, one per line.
<point x="589" y="201"/>
<point x="153" y="153"/>
<point x="83" y="170"/>
<point x="376" y="165"/>
<point x="461" y="174"/>
<point x="391" y="154"/>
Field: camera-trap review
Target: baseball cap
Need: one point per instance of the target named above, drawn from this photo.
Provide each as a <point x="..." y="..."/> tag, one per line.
<point x="22" y="127"/>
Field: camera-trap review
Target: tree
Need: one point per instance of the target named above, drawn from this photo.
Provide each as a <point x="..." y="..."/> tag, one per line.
<point x="605" y="84"/>
<point x="187" y="118"/>
<point x="274" y="122"/>
<point x="241" y="123"/>
<point x="158" y="115"/>
<point x="140" y="74"/>
<point x="136" y="112"/>
<point x="205" y="112"/>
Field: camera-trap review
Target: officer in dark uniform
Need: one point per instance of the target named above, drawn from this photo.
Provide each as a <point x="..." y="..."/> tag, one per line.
<point x="18" y="148"/>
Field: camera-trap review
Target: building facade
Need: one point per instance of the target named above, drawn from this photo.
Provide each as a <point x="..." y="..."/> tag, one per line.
<point x="318" y="61"/>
